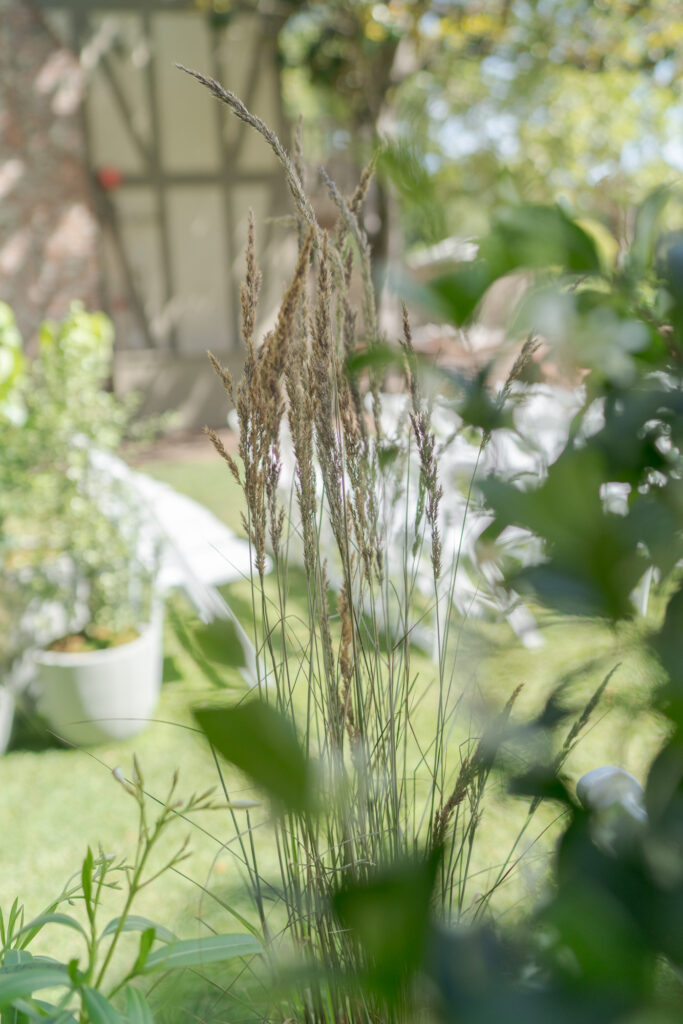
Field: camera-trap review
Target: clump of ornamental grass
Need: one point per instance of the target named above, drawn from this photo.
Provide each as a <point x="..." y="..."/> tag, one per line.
<point x="347" y="675"/>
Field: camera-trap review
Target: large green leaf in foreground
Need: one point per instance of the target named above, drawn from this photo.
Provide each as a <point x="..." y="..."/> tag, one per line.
<point x="262" y="743"/>
<point x="22" y="982"/>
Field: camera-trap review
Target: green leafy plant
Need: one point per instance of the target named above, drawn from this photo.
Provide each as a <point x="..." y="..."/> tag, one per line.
<point x="12" y="365"/>
<point x="99" y="988"/>
<point x="71" y="530"/>
<point x="618" y="324"/>
<point x="606" y="943"/>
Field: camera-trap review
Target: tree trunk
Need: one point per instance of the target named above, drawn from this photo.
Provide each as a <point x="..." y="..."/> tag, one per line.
<point x="48" y="231"/>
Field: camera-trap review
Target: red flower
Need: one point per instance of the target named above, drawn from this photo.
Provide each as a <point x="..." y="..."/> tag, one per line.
<point x="109" y="178"/>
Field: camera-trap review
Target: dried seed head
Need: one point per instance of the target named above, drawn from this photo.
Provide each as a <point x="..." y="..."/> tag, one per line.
<point x="357" y="199"/>
<point x="444" y="814"/>
<point x="517" y="371"/>
<point x="251" y="286"/>
<point x="225" y="455"/>
<point x="223" y="374"/>
<point x="123" y="781"/>
<point x="346" y="663"/>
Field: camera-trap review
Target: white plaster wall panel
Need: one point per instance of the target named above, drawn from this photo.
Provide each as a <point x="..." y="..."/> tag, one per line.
<point x="275" y="245"/>
<point x="236" y="54"/>
<point x="119" y="40"/>
<point x="258" y="89"/>
<point x="201" y="300"/>
<point x="189" y="139"/>
<point x="136" y="212"/>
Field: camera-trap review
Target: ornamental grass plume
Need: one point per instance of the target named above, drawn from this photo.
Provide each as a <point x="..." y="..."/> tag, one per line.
<point x="430" y="490"/>
<point x="349" y="675"/>
<point x="259" y="400"/>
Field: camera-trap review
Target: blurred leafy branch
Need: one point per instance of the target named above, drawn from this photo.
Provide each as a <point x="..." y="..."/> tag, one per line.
<point x="535" y="99"/>
<point x="373" y="896"/>
<point x="383" y="940"/>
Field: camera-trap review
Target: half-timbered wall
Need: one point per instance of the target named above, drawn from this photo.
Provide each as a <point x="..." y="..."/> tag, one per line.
<point x="178" y="173"/>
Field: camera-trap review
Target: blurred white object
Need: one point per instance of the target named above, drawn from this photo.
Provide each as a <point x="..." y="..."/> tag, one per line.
<point x="616" y="801"/>
<point x="198" y="551"/>
<point x="473" y="580"/>
<point x="195" y="552"/>
<point x="196" y="545"/>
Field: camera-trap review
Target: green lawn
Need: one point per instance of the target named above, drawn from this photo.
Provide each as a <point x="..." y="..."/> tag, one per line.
<point x="54" y="802"/>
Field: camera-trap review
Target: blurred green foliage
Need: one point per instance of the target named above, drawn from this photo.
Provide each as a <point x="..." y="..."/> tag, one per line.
<point x="65" y="523"/>
<point x="610" y="941"/>
<point x="605" y="945"/>
<point x="537" y="99"/>
<point x="262" y="743"/>
<point x="619" y="327"/>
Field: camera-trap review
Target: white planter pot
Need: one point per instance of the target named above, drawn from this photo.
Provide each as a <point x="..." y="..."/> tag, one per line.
<point x="98" y="696"/>
<point x="6" y="717"/>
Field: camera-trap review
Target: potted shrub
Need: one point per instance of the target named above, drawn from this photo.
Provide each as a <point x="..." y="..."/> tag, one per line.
<point x="76" y="541"/>
<point x="12" y="415"/>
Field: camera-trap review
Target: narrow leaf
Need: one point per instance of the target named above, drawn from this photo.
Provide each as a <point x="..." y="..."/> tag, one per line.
<point x="100" y="1010"/>
<point x="63" y="1017"/>
<point x="37" y="923"/>
<point x="23" y="1011"/>
<point x="195" y="952"/>
<point x="137" y="1007"/>
<point x="262" y="743"/>
<point x="21" y="982"/>
<point x="74" y="974"/>
<point x="146" y="942"/>
<point x="16" y="957"/>
<point x="86" y="879"/>
<point x="39" y="1010"/>
<point x="646" y="229"/>
<point x="135" y="923"/>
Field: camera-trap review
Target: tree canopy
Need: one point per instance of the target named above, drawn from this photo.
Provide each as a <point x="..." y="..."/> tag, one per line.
<point x="535" y="98"/>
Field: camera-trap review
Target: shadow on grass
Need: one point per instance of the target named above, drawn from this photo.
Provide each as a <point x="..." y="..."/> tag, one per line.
<point x="171" y="672"/>
<point x="30" y="733"/>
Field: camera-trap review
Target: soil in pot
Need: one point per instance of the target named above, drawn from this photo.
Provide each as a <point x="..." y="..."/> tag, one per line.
<point x="93" y="638"/>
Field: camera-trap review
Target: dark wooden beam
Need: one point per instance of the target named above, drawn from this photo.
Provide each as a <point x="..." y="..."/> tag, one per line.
<point x="118" y="5"/>
<point x="199" y="178"/>
<point x="228" y="161"/>
<point x="158" y="181"/>
<point x="124" y="108"/>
